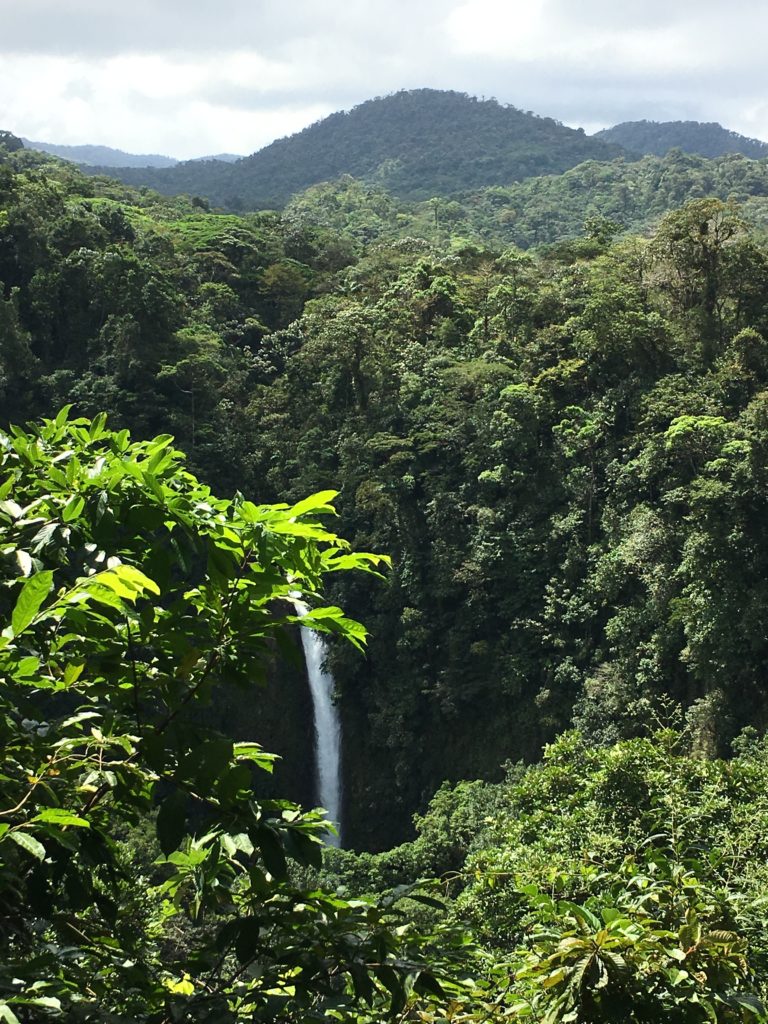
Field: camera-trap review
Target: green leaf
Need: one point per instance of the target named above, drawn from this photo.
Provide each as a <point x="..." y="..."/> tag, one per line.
<point x="314" y="503"/>
<point x="394" y="984"/>
<point x="32" y="595"/>
<point x="582" y="914"/>
<point x="47" y="1002"/>
<point x="11" y="509"/>
<point x="676" y="976"/>
<point x="28" y="843"/>
<point x="25" y="562"/>
<point x="254" y="752"/>
<point x="361" y="982"/>
<point x="63" y="415"/>
<point x="43" y="536"/>
<point x="427" y="901"/>
<point x="73" y="508"/>
<point x="182" y="987"/>
<point x="72" y="673"/>
<point x="124" y="580"/>
<point x="61" y="816"/>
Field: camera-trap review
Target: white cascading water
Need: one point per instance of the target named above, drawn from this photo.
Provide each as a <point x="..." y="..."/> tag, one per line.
<point x="327" y="725"/>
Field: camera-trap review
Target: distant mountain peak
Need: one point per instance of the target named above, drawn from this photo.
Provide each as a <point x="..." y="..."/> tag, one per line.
<point x="415" y="142"/>
<point x="704" y="138"/>
<point x="101" y="156"/>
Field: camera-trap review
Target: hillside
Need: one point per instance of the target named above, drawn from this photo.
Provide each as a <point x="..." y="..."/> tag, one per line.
<point x="614" y="197"/>
<point x="631" y="194"/>
<point x="703" y="138"/>
<point x="101" y="156"/>
<point x="417" y="144"/>
<point x="105" y="156"/>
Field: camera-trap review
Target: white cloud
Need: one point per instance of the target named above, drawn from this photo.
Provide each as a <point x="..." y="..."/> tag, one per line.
<point x="145" y="104"/>
<point x="530" y="32"/>
<point x="189" y="77"/>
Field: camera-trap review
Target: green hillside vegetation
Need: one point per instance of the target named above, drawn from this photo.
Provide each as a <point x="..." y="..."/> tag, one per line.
<point x="107" y="156"/>
<point x="101" y="156"/>
<point x="575" y="420"/>
<point x="632" y="194"/>
<point x="618" y="197"/>
<point x="416" y="143"/>
<point x="703" y="138"/>
<point x="564" y="451"/>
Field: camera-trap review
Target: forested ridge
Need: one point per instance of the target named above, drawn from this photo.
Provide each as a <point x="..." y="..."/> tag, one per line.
<point x="658" y="137"/>
<point x="560" y="439"/>
<point x="416" y="143"/>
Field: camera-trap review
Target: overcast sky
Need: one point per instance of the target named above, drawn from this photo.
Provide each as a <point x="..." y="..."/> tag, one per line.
<point x="189" y="77"/>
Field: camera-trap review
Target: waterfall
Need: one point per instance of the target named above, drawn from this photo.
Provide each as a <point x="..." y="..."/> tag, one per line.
<point x="327" y="725"/>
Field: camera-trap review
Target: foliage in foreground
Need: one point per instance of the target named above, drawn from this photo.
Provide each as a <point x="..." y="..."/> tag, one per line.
<point x="130" y="594"/>
<point x="612" y="884"/>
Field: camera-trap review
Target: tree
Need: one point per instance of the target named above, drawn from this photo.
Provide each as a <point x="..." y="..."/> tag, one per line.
<point x="9" y="142"/>
<point x="694" y="245"/>
<point x="129" y="595"/>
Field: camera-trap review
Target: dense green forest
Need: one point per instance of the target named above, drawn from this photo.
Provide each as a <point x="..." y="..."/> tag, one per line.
<point x="544" y="442"/>
<point x="559" y="437"/>
<point x="704" y="138"/>
<point x="415" y="143"/>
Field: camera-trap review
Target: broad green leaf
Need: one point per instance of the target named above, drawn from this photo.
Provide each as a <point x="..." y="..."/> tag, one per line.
<point x="60" y="816"/>
<point x="272" y="853"/>
<point x="72" y="673"/>
<point x="28" y="843"/>
<point x="11" y="508"/>
<point x="27" y="667"/>
<point x="137" y="579"/>
<point x="32" y="595"/>
<point x="46" y="1002"/>
<point x="43" y="536"/>
<point x="428" y="984"/>
<point x="63" y="415"/>
<point x="81" y="716"/>
<point x="247" y="942"/>
<point x="73" y="508"/>
<point x="747" y="1001"/>
<point x="319" y="502"/>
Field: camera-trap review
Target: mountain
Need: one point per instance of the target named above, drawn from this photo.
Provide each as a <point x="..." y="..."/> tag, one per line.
<point x="656" y="138"/>
<point x="632" y="194"/>
<point x="106" y="156"/>
<point x="101" y="156"/>
<point x="417" y="143"/>
<point x="227" y="158"/>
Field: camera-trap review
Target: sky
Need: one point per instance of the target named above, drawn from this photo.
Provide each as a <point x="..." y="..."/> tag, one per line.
<point x="193" y="77"/>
